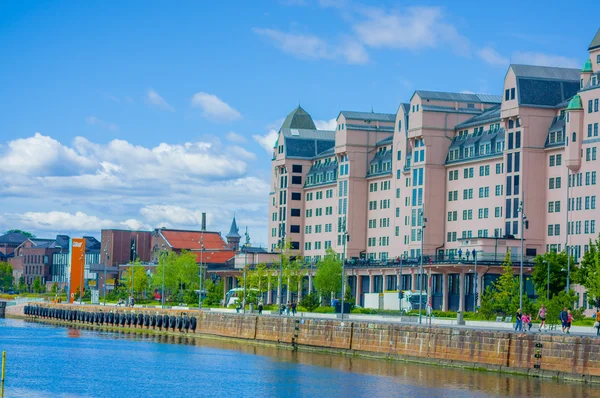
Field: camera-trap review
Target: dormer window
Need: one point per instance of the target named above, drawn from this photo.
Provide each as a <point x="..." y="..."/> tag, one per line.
<point x="594" y="81"/>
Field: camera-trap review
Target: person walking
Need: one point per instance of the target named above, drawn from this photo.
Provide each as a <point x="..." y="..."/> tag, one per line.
<point x="564" y="318"/>
<point x="525" y="321"/>
<point x="542" y="317"/>
<point x="597" y="324"/>
<point x="569" y="320"/>
<point x="519" y="322"/>
<point x="530" y="321"/>
<point x="260" y="307"/>
<point x="294" y="306"/>
<point x="281" y="309"/>
<point x="287" y="309"/>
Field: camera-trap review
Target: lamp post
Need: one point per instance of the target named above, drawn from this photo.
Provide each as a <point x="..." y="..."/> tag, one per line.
<point x="476" y="281"/>
<point x="548" y="290"/>
<point x="423" y="221"/>
<point x="345" y="231"/>
<point x="280" y="279"/>
<point x="82" y="259"/>
<point x="162" y="293"/>
<point x="133" y="267"/>
<point x="523" y="221"/>
<point x="567" y="248"/>
<point x="201" y="270"/>
<point x="245" y="246"/>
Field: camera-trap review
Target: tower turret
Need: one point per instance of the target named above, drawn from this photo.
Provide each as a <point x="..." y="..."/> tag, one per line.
<point x="233" y="237"/>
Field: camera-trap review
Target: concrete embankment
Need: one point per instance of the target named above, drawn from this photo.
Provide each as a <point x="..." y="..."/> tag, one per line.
<point x="540" y="355"/>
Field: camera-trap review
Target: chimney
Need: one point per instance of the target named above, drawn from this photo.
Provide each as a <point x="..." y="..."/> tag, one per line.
<point x="203" y="221"/>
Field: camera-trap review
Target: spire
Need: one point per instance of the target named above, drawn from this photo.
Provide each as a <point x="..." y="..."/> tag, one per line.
<point x="299" y="119"/>
<point x="233" y="230"/>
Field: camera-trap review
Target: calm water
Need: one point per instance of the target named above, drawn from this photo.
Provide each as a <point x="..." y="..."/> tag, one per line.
<point x="48" y="361"/>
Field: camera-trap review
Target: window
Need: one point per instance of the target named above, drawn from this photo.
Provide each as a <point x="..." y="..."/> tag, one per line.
<point x="296" y="168"/>
<point x="296" y="196"/>
<point x="297" y="180"/>
<point x="518" y="139"/>
<point x="551" y="183"/>
<point x="296" y="212"/>
<point x="295" y="229"/>
<point x="510" y="139"/>
<point x="507" y="94"/>
<point x="509" y="185"/>
<point x="596" y="105"/>
<point x="558" y="159"/>
<point x="512" y="94"/>
<point x="590" y="106"/>
<point x="499" y="168"/>
<point x="574" y="139"/>
<point x="499" y="190"/>
<point x="498" y="212"/>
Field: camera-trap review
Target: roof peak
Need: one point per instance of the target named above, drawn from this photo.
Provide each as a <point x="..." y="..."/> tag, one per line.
<point x="595" y="41"/>
<point x="299" y="119"/>
<point x="234" y="231"/>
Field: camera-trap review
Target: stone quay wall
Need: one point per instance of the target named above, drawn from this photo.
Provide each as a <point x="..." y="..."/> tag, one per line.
<point x="535" y="354"/>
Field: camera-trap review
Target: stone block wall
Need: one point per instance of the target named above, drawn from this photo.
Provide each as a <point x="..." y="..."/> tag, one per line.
<point x="535" y="353"/>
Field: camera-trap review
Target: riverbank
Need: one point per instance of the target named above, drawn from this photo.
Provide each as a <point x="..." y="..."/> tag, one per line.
<point x="538" y="355"/>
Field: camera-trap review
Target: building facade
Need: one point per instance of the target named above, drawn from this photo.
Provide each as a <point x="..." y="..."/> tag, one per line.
<point x="449" y="176"/>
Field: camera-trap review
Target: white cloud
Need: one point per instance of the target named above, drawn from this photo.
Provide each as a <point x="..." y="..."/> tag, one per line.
<point x="330" y="124"/>
<point x="541" y="59"/>
<point x="63" y="221"/>
<point x="41" y="155"/>
<point x="51" y="187"/>
<point x="214" y="108"/>
<point x="492" y="57"/>
<point x="308" y="46"/>
<point x="93" y="120"/>
<point x="267" y="140"/>
<point x="153" y="98"/>
<point x="235" y="137"/>
<point x="414" y="29"/>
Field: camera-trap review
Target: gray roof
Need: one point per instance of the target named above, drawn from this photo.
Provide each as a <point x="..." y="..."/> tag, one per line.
<point x="46" y="243"/>
<point x="306" y="148"/>
<point x="558" y="124"/>
<point x="13" y="238"/>
<point x="490" y="115"/>
<point x="546" y="72"/>
<point x="298" y="119"/>
<point x="405" y="106"/>
<point x="311" y="134"/>
<point x="370" y="116"/>
<point x="386" y="141"/>
<point x="326" y="153"/>
<point x="476" y="140"/>
<point x="595" y="41"/>
<point x="233" y="230"/>
<point x="460" y="97"/>
<point x="545" y="93"/>
<point x="450" y="109"/>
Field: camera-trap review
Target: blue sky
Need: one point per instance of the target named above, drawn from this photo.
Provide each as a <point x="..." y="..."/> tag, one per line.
<point x="147" y="114"/>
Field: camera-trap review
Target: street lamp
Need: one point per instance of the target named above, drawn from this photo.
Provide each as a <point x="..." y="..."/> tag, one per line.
<point x="476" y="281"/>
<point x="280" y="280"/>
<point x="162" y="257"/>
<point x="345" y="231"/>
<point x="423" y="221"/>
<point x="523" y="223"/>
<point x="548" y="290"/>
<point x="201" y="270"/>
<point x="105" y="260"/>
<point x="133" y="267"/>
<point x="245" y="246"/>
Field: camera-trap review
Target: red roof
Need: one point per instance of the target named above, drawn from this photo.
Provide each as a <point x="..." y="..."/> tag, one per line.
<point x="190" y="240"/>
<point x="215" y="257"/>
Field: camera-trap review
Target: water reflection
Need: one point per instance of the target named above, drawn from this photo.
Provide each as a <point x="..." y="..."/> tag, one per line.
<point x="56" y="361"/>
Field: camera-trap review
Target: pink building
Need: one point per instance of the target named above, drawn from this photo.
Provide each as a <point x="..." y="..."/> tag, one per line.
<point x="486" y="172"/>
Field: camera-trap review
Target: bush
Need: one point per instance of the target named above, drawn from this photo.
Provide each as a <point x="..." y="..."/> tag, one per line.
<point x="310" y="302"/>
<point x="324" y="310"/>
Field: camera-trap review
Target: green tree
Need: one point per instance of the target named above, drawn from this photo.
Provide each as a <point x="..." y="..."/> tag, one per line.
<point x="140" y="279"/>
<point x="37" y="285"/>
<point x="54" y="289"/>
<point x="328" y="278"/>
<point x="214" y="293"/>
<point x="22" y="285"/>
<point x="588" y="273"/>
<point x="310" y="302"/>
<point x="181" y="274"/>
<point x="18" y="231"/>
<point x="503" y="296"/>
<point x="557" y="262"/>
<point x="6" y="276"/>
<point x="557" y="303"/>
